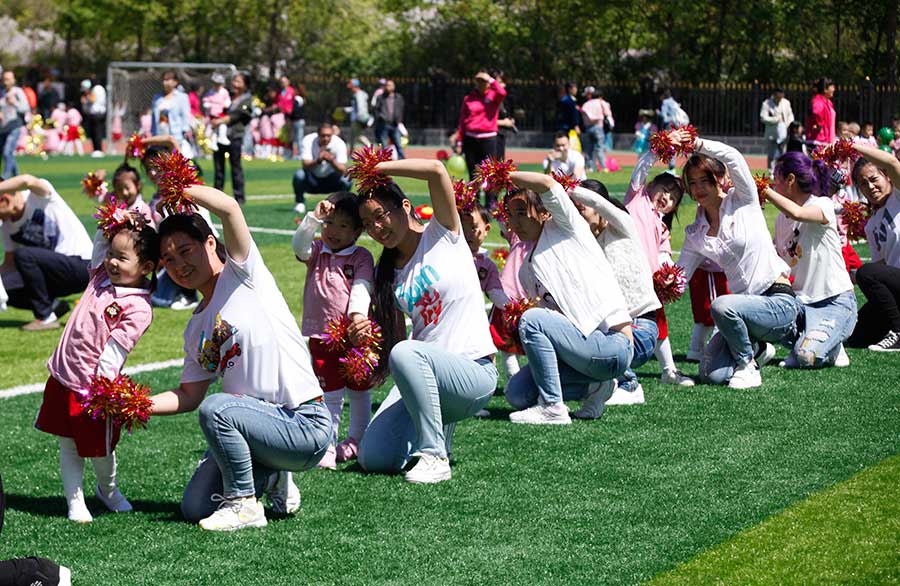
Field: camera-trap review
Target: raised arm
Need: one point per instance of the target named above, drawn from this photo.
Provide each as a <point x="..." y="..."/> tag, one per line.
<point x="164" y="140"/>
<point x="554" y="197"/>
<point x="793" y="211"/>
<point x="35" y="185"/>
<point x="234" y="227"/>
<point x="887" y="162"/>
<point x="639" y="175"/>
<point x="439" y="186"/>
<point x="618" y="219"/>
<point x="734" y="161"/>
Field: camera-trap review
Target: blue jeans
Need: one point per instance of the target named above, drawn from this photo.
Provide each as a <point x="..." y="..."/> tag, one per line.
<point x="10" y="165"/>
<point x="248" y="441"/>
<point x="434" y="389"/>
<point x="299" y="126"/>
<point x="305" y="182"/>
<point x="773" y="151"/>
<point x="594" y="143"/>
<point x="561" y="361"/>
<point x="645" y="332"/>
<point x="384" y="131"/>
<point x="743" y="320"/>
<point x="825" y="325"/>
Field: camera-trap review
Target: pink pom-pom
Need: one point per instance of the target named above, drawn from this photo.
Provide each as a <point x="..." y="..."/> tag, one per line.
<point x="494" y="174"/>
<point x="121" y="400"/>
<point x="113" y="216"/>
<point x="662" y="146"/>
<point x="669" y="282"/>
<point x="466" y="194"/>
<point x="568" y="182"/>
<point x="854" y="216"/>
<point x="368" y="178"/>
<point x="763" y="182"/>
<point x="176" y="173"/>
<point x="94" y="187"/>
<point x="359" y="362"/>
<point x="336" y="338"/>
<point x="135" y="148"/>
<point x="358" y="365"/>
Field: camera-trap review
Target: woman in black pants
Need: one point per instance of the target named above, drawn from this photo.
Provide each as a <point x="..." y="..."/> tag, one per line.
<point x="878" y="326"/>
<point x="236" y="117"/>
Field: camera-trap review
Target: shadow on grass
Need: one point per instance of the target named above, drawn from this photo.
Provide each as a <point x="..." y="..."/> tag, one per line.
<point x="55" y="506"/>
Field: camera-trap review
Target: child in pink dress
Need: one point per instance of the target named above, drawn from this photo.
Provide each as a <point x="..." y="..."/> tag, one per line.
<point x="216" y="103"/>
<point x="653" y="206"/>
<point x="72" y="142"/>
<point x="112" y="315"/>
<point x="339" y="279"/>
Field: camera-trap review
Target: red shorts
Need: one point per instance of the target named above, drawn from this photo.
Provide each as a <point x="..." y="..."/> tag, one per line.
<point x="74" y="133"/>
<point x="704" y="287"/>
<point x="61" y="414"/>
<point x="662" y="323"/>
<point x="851" y="259"/>
<point x="501" y="336"/>
<point x="326" y="366"/>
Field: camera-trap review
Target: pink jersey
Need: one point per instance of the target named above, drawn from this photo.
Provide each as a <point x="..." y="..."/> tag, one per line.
<point x="653" y="232"/>
<point x="105" y="312"/>
<point x="216" y="102"/>
<point x="509" y="276"/>
<point x="329" y="278"/>
<point x="489" y="278"/>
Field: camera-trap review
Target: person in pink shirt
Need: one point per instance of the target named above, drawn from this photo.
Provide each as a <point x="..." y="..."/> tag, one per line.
<point x="339" y="278"/>
<point x="72" y="141"/>
<point x="476" y="133"/>
<point x="821" y="124"/>
<point x="106" y="324"/>
<point x="653" y="206"/>
<point x="215" y="103"/>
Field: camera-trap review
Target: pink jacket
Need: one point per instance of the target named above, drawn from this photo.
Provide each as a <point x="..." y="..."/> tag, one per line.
<point x="654" y="234"/>
<point x="825" y="116"/>
<point x="479" y="113"/>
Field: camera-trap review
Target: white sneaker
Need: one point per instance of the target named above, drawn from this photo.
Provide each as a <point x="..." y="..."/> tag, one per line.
<point x="890" y="343"/>
<point x="182" y="304"/>
<point x="78" y="511"/>
<point x="483" y="414"/>
<point x="97" y="155"/>
<point x="300" y="208"/>
<point x="842" y="360"/>
<point x="234" y="514"/>
<point x="676" y="377"/>
<point x="65" y="576"/>
<point x="622" y="397"/>
<point x="284" y="496"/>
<point x="429" y="470"/>
<point x="213" y="146"/>
<point x="553" y="414"/>
<point x="222" y="136"/>
<point x="765" y="355"/>
<point x="746" y="377"/>
<point x="116" y="502"/>
<point x="592" y="403"/>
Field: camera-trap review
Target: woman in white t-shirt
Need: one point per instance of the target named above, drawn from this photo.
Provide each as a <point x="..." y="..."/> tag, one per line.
<point x="730" y="230"/>
<point x="445" y="371"/>
<point x="877" y="177"/>
<point x="269" y="418"/>
<point x="806" y="237"/>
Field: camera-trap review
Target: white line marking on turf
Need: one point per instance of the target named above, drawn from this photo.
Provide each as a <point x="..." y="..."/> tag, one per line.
<point x="38" y="387"/>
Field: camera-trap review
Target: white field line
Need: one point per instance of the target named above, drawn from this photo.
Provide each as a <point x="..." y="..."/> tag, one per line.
<point x="38" y="387"/>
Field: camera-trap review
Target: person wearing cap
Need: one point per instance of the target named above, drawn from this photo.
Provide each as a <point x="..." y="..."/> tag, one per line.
<point x="596" y="117"/>
<point x="389" y="117"/>
<point x="776" y="114"/>
<point x="359" y="113"/>
<point x="93" y="106"/>
<point x="13" y="108"/>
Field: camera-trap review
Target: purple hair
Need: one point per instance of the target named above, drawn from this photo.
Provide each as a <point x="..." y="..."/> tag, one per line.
<point x="812" y="176"/>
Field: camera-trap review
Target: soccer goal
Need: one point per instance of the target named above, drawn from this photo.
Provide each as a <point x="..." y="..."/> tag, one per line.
<point x="131" y="86"/>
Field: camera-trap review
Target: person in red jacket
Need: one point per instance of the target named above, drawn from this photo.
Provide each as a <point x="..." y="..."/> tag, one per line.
<point x="821" y="121"/>
<point x="476" y="135"/>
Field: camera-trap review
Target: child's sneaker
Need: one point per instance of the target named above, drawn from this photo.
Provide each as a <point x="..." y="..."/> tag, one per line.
<point x="347" y="450"/>
<point x="115" y="502"/>
<point x="212" y="142"/>
<point x="429" y="470"/>
<point x="329" y="460"/>
<point x="676" y="377"/>
<point x="234" y="514"/>
<point x="284" y="496"/>
<point x="78" y="511"/>
<point x="222" y="135"/>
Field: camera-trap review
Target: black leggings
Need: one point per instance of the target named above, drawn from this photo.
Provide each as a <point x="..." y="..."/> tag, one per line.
<point x="881" y="285"/>
<point x="476" y="150"/>
<point x="237" y="169"/>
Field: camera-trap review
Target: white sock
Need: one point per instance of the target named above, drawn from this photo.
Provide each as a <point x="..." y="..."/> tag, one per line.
<point x="50" y="318"/>
<point x="663" y="354"/>
<point x="105" y="471"/>
<point x="360" y="413"/>
<point x="699" y="337"/>
<point x="223" y="134"/>
<point x="71" y="467"/>
<point x="510" y="362"/>
<point x="334" y="400"/>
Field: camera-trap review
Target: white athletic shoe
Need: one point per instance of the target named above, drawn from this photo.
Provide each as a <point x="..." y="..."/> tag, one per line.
<point x="765" y="355"/>
<point x="745" y="377"/>
<point x="429" y="470"/>
<point x="676" y="377"/>
<point x="116" y="502"/>
<point x="234" y="514"/>
<point x="78" y="511"/>
<point x="284" y="496"/>
<point x="65" y="576"/>
<point x="300" y="208"/>
<point x="97" y="155"/>
<point x="592" y="404"/>
<point x="842" y="360"/>
<point x="553" y="414"/>
<point x="622" y="397"/>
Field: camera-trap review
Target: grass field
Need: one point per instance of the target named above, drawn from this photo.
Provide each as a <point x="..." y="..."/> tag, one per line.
<point x="792" y="483"/>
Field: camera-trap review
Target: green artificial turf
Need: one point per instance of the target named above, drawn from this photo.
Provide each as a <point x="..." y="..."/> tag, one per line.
<point x="615" y="501"/>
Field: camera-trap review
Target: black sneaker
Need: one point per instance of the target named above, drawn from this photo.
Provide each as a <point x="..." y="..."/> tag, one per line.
<point x="890" y="343"/>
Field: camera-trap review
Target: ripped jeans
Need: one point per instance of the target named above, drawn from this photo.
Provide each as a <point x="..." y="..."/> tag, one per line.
<point x="824" y="326"/>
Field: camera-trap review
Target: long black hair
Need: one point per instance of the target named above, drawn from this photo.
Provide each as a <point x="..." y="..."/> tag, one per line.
<point x="384" y="306"/>
<point x="193" y="226"/>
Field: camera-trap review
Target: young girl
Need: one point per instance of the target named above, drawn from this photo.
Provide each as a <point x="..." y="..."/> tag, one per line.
<point x="339" y="277"/>
<point x="127" y="191"/>
<point x="580" y="337"/>
<point x="72" y="141"/>
<point x="617" y="235"/>
<point x="105" y="326"/>
<point x="806" y="237"/>
<point x="653" y="206"/>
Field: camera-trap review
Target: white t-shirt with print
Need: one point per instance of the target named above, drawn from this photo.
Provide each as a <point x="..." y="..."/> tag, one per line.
<point x="813" y="251"/>
<point x="573" y="160"/>
<point x="439" y="289"/>
<point x="247" y="336"/>
<point x="883" y="232"/>
<point x="49" y="223"/>
<point x="309" y="151"/>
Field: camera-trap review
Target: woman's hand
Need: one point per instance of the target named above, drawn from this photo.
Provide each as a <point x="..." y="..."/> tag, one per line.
<point x="683" y="138"/>
<point x="359" y="329"/>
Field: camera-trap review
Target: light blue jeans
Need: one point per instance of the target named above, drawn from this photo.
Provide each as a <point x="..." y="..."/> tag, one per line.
<point x="248" y="441"/>
<point x="743" y="320"/>
<point x="645" y="333"/>
<point x="297" y="134"/>
<point x="595" y="146"/>
<point x="562" y="362"/>
<point x="825" y="325"/>
<point x="434" y="389"/>
<point x="10" y="165"/>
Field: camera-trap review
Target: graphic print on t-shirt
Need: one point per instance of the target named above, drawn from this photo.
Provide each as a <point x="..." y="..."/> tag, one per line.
<point x="885" y="227"/>
<point x="40" y="231"/>
<point x="210" y="350"/>
<point x="794" y="250"/>
<point x="420" y="296"/>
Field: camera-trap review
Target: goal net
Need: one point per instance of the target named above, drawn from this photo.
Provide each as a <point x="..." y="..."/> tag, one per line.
<point x="131" y="86"/>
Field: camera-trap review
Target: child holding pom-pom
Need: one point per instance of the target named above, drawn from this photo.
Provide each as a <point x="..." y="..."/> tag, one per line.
<point x="111" y="317"/>
<point x="339" y="280"/>
<point x="653" y="206"/>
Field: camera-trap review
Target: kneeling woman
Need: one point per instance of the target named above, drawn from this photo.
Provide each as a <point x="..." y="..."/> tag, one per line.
<point x="269" y="417"/>
<point x="579" y="338"/>
<point x="731" y="231"/>
<point x="445" y="372"/>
